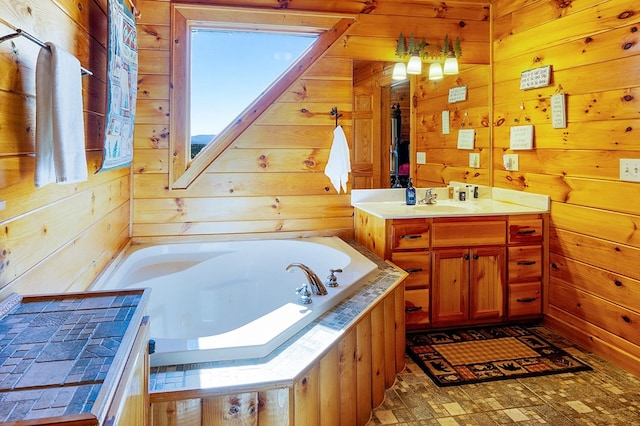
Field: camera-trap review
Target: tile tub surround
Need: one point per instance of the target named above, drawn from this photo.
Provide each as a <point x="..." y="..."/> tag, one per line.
<point x="56" y="352"/>
<point x="286" y="363"/>
<point x="390" y="203"/>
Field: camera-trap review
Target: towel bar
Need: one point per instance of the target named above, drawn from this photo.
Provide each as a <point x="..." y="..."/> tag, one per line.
<point x="25" y="34"/>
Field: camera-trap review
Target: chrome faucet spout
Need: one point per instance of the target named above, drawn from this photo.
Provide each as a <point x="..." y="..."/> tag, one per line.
<point x="315" y="283"/>
<point x="430" y="196"/>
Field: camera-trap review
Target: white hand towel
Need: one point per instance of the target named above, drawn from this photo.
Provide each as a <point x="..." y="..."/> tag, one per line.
<point x="339" y="164"/>
<point x="60" y="146"/>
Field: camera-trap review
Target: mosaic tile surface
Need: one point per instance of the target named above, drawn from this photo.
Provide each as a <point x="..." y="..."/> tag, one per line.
<point x="55" y="354"/>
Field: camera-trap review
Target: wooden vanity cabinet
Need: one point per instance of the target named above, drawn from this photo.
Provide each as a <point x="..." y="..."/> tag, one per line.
<point x="409" y="250"/>
<point x="525" y="271"/>
<point x="468" y="282"/>
<point x="463" y="270"/>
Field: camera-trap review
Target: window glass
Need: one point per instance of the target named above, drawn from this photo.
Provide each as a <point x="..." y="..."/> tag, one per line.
<point x="230" y="69"/>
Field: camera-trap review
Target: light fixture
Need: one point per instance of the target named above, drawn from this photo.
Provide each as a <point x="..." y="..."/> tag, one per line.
<point x="399" y="71"/>
<point x="435" y="71"/>
<point x="450" y="66"/>
<point x="421" y="51"/>
<point x="414" y="66"/>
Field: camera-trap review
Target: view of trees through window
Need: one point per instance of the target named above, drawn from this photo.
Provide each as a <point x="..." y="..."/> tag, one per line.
<point x="230" y="69"/>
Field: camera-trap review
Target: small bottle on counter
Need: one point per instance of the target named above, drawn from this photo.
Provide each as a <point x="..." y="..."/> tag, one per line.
<point x="462" y="194"/>
<point x="410" y="194"/>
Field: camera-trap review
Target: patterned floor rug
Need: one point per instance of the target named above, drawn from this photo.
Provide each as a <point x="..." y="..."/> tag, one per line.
<point x="473" y="355"/>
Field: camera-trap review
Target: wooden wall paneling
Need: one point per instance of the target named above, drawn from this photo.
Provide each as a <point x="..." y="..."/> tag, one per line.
<point x="390" y="344"/>
<point x="400" y="328"/>
<point x="46" y="227"/>
<point x="607" y="285"/>
<point x="363" y="371"/>
<point x="597" y="17"/>
<point x="329" y="391"/>
<point x="234" y="409"/>
<point x="184" y="413"/>
<point x="307" y="399"/>
<point x="377" y="349"/>
<point x="348" y="377"/>
<point x="575" y="163"/>
<point x="603" y="224"/>
<point x="275" y="407"/>
<point x="73" y="266"/>
<point x="256" y="229"/>
<point x="610" y="346"/>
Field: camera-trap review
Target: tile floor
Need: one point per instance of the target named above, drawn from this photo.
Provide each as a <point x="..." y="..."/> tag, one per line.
<point x="607" y="395"/>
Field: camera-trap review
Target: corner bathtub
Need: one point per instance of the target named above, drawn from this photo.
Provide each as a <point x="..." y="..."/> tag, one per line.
<point x="233" y="300"/>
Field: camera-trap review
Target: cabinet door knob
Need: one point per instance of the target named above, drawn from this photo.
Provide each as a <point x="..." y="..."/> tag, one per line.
<point x="466" y="257"/>
<point x="527" y="300"/>
<point x="527" y="262"/>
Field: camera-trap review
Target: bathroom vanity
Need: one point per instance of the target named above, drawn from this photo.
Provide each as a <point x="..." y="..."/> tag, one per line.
<point x="469" y="262"/>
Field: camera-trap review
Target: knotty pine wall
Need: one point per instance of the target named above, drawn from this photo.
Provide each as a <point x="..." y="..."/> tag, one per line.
<point x="56" y="238"/>
<point x="270" y="182"/>
<point x="594" y="50"/>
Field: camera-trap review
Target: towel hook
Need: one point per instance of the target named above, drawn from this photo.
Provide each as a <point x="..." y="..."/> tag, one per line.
<point x="336" y="114"/>
<point x="37" y="41"/>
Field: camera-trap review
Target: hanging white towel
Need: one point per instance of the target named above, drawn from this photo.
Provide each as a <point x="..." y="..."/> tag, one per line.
<point x="60" y="146"/>
<point x="339" y="164"/>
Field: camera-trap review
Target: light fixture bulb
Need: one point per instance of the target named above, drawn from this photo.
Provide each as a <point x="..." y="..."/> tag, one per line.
<point x="451" y="66"/>
<point x="415" y="65"/>
<point x="435" y="71"/>
<point x="399" y="71"/>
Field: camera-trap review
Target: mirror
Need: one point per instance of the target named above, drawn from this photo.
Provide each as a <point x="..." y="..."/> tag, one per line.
<point x="419" y="133"/>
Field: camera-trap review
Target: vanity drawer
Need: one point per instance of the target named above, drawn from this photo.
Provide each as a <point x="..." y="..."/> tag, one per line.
<point x="525" y="300"/>
<point x="525" y="231"/>
<point x="410" y="234"/>
<point x="468" y="234"/>
<point x="525" y="263"/>
<point x="416" y="307"/>
<point x="417" y="264"/>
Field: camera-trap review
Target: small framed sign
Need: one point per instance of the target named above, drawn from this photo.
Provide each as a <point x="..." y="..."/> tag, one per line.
<point x="537" y="77"/>
<point x="457" y="94"/>
<point x="466" y="138"/>
<point x="521" y="137"/>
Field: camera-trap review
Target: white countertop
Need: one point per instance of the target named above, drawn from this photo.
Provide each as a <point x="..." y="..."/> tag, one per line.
<point x="390" y="204"/>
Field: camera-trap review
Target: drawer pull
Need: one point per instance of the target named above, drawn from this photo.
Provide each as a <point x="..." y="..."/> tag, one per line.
<point x="413" y="270"/>
<point x="526" y="262"/>
<point x="413" y="308"/>
<point x="527" y="300"/>
<point x="411" y="237"/>
<point x="525" y="231"/>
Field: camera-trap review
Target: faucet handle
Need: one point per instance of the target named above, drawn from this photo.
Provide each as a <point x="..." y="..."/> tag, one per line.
<point x="305" y="294"/>
<point x="332" y="280"/>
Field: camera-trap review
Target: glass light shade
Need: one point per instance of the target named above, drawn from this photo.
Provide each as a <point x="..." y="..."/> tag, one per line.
<point x="451" y="66"/>
<point x="435" y="71"/>
<point x="415" y="65"/>
<point x="399" y="71"/>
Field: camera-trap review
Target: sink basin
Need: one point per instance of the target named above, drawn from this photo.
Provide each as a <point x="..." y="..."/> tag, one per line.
<point x="445" y="207"/>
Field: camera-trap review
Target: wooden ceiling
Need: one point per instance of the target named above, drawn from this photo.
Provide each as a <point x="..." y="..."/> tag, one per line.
<point x="400" y="7"/>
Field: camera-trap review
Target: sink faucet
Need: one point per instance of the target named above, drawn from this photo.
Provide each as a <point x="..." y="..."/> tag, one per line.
<point x="430" y="196"/>
<point x="315" y="283"/>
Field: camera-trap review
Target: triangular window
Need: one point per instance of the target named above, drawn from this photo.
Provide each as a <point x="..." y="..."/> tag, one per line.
<point x="230" y="69"/>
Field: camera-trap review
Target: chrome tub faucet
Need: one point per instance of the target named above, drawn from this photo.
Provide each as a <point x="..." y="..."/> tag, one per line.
<point x="314" y="282"/>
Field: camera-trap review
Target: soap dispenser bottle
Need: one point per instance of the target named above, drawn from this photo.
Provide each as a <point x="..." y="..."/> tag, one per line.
<point x="410" y="194"/>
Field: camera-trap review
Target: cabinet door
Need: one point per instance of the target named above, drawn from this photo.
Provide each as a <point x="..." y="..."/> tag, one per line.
<point x="450" y="286"/>
<point x="487" y="283"/>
